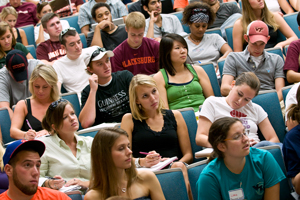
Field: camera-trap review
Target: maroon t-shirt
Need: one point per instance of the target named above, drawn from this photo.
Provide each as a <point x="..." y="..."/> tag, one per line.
<point x="143" y="60"/>
<point x="49" y="51"/>
<point x="26" y="14"/>
<point x="65" y="11"/>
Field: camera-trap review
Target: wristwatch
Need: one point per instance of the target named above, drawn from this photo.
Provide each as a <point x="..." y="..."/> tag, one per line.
<point x="137" y="164"/>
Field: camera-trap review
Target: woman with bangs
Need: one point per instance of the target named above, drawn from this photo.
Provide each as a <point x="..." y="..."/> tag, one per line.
<point x="238" y="104"/>
<point x="8" y="43"/>
<point x="28" y="113"/>
<point x="10" y="15"/>
<point x="257" y="10"/>
<point x="180" y="84"/>
<point x="160" y="132"/>
<point x="113" y="170"/>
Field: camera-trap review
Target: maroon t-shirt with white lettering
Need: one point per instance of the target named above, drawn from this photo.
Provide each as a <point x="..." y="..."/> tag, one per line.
<point x="49" y="51"/>
<point x="143" y="60"/>
<point x="26" y="14"/>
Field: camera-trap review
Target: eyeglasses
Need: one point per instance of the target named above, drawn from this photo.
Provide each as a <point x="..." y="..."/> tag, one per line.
<point x="239" y="136"/>
<point x="66" y="30"/>
<point x="54" y="104"/>
<point x="96" y="53"/>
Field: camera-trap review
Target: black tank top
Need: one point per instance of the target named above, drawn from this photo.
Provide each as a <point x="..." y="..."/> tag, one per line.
<point x="164" y="142"/>
<point x="18" y="39"/>
<point x="34" y="122"/>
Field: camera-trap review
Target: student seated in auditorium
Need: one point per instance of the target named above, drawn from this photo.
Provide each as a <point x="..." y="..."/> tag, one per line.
<point x="235" y="169"/>
<point x="9" y="43"/>
<point x="70" y="68"/>
<point x="85" y="19"/>
<point x="10" y="15"/>
<point x="152" y="128"/>
<point x="28" y="113"/>
<point x="203" y="47"/>
<point x="238" y="104"/>
<point x="291" y="144"/>
<point x="22" y="161"/>
<point x="257" y="10"/>
<point x="226" y="13"/>
<point x="292" y="63"/>
<point x="137" y="54"/>
<point x="26" y="11"/>
<point x="106" y="34"/>
<point x="39" y="34"/>
<point x="157" y="25"/>
<point x="51" y="49"/>
<point x="180" y="85"/>
<point x="113" y="171"/>
<point x="268" y="67"/>
<point x="291" y="98"/>
<point x="106" y="98"/>
<point x="67" y="157"/>
<point x="14" y="79"/>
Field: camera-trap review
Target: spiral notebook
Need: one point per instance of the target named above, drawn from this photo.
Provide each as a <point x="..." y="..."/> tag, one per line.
<point x="160" y="165"/>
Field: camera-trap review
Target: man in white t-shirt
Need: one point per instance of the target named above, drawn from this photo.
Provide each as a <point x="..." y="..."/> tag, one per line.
<point x="70" y="69"/>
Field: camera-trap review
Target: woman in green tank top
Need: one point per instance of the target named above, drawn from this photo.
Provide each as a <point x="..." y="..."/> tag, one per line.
<point x="180" y="84"/>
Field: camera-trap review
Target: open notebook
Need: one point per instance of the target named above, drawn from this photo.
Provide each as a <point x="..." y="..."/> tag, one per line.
<point x="70" y="188"/>
<point x="204" y="153"/>
<point x="160" y="165"/>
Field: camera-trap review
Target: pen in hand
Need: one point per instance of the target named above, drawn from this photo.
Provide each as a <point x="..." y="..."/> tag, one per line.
<point x="145" y="153"/>
<point x="28" y="124"/>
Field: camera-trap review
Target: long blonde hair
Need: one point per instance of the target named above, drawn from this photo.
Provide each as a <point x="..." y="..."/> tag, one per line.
<point x="48" y="73"/>
<point x="140" y="79"/>
<point x="248" y="16"/>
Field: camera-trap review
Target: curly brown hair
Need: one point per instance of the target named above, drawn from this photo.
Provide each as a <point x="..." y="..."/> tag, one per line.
<point x="188" y="12"/>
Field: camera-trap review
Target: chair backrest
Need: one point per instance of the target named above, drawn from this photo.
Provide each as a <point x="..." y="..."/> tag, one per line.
<point x="275" y="50"/>
<point x="179" y="15"/>
<point x="270" y="103"/>
<point x="214" y="30"/>
<point x="73" y="21"/>
<point x="220" y="64"/>
<point x="29" y="31"/>
<point x="83" y="40"/>
<point x="194" y="171"/>
<point x="285" y="90"/>
<point x="73" y="99"/>
<point x="172" y="183"/>
<point x="5" y="125"/>
<point x="31" y="48"/>
<point x="228" y="31"/>
<point x="291" y="20"/>
<point x="286" y="49"/>
<point x="118" y="21"/>
<point x="189" y="117"/>
<point x="285" y="185"/>
<point x="210" y="71"/>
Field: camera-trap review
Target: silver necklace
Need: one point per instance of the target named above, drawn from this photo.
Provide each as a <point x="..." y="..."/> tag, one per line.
<point x="197" y="41"/>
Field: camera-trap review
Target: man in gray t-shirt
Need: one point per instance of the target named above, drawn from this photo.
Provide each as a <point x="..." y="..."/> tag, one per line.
<point x="14" y="79"/>
<point x="268" y="67"/>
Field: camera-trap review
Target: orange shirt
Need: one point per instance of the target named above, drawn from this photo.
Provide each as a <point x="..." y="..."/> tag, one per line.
<point x="42" y="193"/>
<point x="180" y="4"/>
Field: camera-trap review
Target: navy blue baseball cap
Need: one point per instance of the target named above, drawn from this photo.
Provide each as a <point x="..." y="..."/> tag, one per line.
<point x="17" y="63"/>
<point x="19" y="145"/>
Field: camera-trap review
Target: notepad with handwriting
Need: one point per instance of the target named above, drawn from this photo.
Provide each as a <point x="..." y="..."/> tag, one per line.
<point x="160" y="165"/>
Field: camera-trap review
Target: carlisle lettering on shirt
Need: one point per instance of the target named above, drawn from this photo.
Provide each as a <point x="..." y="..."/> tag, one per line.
<point x="136" y="61"/>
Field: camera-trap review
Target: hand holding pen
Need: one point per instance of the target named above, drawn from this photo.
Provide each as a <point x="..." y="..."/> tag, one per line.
<point x="30" y="134"/>
<point x="55" y="182"/>
<point x="152" y="158"/>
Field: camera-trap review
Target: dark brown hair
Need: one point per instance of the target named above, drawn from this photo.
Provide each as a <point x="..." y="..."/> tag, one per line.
<point x="188" y="12"/>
